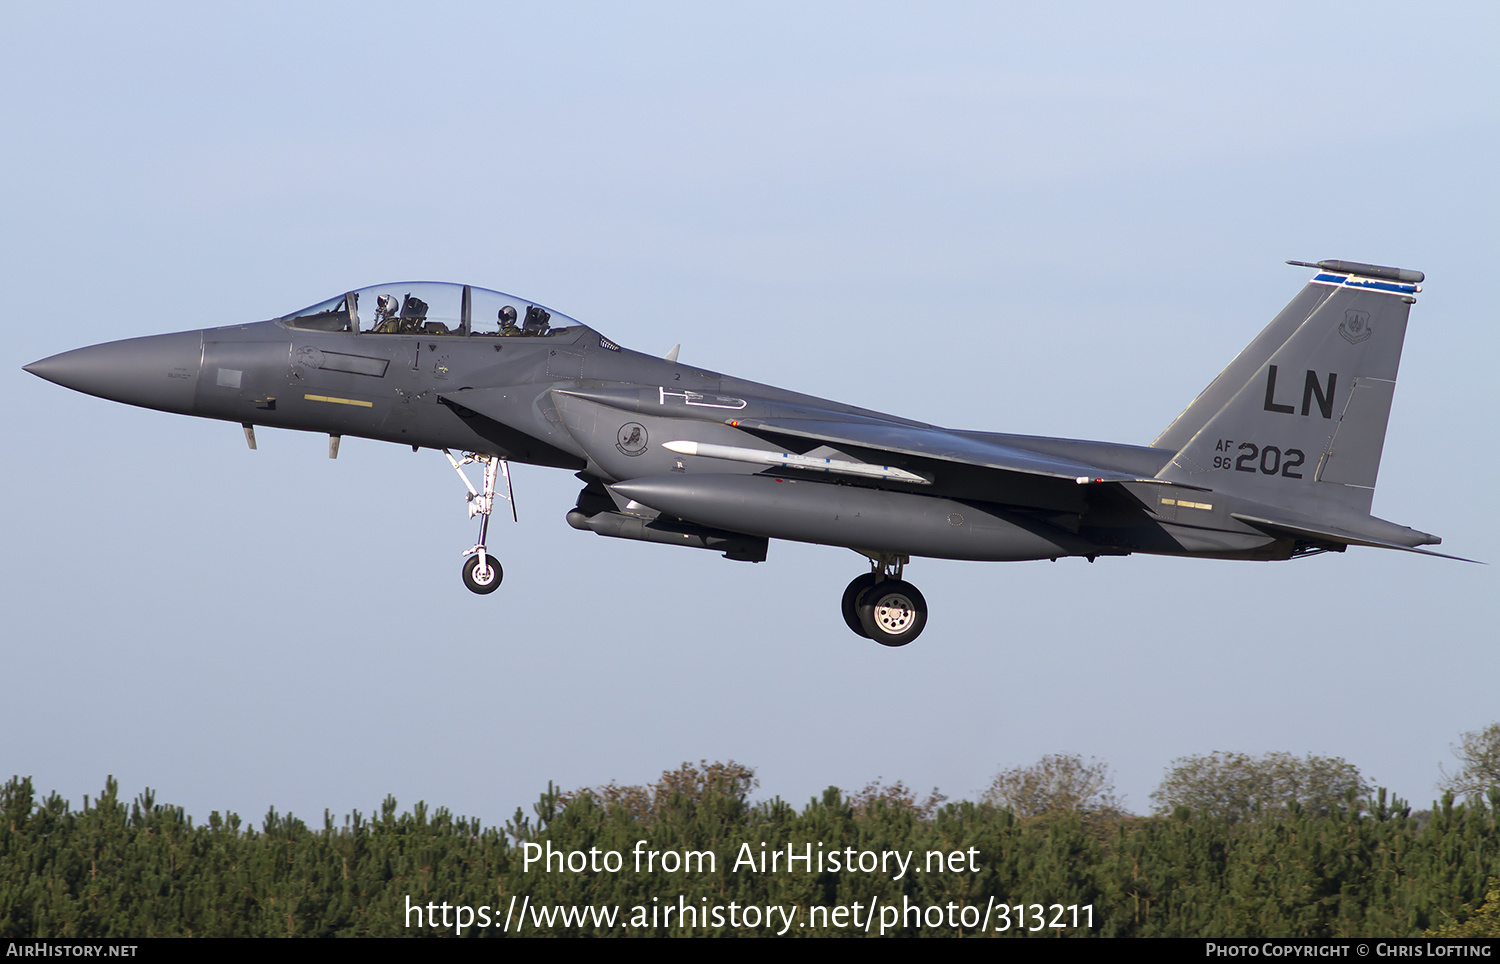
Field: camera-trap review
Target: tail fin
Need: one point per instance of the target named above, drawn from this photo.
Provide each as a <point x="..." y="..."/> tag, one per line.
<point x="1298" y="419"/>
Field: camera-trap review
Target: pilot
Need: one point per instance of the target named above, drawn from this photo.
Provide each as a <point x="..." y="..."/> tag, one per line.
<point x="508" y="321"/>
<point x="386" y="321"/>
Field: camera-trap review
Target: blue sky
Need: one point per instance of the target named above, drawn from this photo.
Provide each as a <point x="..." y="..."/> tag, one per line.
<point x="1058" y="220"/>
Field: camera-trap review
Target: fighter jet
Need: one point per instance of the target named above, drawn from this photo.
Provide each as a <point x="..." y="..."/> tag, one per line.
<point x="1275" y="459"/>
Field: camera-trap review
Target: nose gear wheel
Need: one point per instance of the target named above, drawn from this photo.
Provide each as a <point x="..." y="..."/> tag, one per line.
<point x="486" y="580"/>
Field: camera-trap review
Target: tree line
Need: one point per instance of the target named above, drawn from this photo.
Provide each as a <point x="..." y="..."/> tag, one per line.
<point x="1333" y="859"/>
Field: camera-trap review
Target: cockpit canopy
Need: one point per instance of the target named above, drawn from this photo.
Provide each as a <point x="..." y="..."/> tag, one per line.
<point x="430" y="308"/>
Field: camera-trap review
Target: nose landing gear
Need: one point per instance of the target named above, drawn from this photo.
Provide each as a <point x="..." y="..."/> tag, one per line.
<point x="482" y="573"/>
<point x="879" y="605"/>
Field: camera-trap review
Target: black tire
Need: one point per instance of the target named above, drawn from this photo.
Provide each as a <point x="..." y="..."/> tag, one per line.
<point x="893" y="612"/>
<point x="850" y="604"/>
<point x="486" y="585"/>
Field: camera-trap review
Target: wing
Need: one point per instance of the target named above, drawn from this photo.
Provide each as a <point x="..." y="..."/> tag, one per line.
<point x="793" y="434"/>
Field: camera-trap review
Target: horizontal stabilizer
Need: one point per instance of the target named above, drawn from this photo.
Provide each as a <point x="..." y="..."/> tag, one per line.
<point x="1346" y="537"/>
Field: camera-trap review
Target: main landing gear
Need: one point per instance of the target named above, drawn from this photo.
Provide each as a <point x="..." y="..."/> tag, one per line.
<point x="881" y="606"/>
<point x="482" y="572"/>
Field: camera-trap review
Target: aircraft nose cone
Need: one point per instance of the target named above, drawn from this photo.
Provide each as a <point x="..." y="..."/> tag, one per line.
<point x="159" y="371"/>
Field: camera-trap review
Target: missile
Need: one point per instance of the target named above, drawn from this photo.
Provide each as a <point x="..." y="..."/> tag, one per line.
<point x="791" y="460"/>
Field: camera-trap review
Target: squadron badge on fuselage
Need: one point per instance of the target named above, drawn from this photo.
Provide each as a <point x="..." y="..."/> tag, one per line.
<point x="632" y="439"/>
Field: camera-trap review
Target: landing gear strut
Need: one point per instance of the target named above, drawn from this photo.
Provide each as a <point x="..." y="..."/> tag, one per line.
<point x="482" y="573"/>
<point x="881" y="606"/>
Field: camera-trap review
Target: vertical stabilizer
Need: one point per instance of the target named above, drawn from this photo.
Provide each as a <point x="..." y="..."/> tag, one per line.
<point x="1298" y="419"/>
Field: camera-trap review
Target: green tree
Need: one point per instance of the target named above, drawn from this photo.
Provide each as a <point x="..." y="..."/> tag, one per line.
<point x="897" y="795"/>
<point x="1237" y="786"/>
<point x="1479" y="752"/>
<point x="1057" y="783"/>
<point x="691" y="782"/>
<point x="1484" y="922"/>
